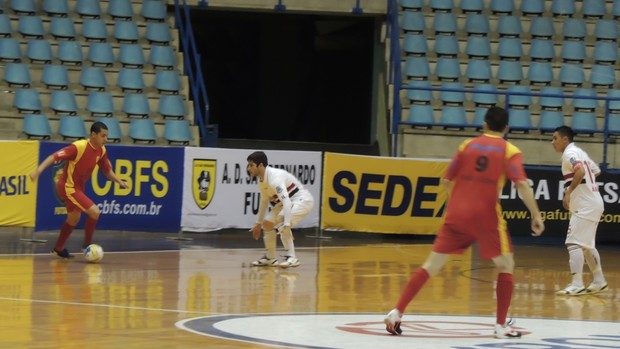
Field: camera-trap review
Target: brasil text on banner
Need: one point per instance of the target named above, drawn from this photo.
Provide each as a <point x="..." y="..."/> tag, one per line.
<point x="17" y="192"/>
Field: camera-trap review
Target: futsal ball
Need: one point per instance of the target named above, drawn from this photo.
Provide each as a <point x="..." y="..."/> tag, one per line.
<point x="93" y="253"/>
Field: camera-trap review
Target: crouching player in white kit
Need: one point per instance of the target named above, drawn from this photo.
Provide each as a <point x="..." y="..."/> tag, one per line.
<point x="583" y="199"/>
<point x="291" y="203"/>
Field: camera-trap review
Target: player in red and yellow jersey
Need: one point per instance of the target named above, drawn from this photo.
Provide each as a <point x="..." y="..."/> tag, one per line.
<point x="473" y="215"/>
<point x="80" y="158"/>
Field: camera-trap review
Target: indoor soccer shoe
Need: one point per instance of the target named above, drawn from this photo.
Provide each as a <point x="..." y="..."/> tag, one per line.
<point x="572" y="290"/>
<point x="596" y="288"/>
<point x="62" y="254"/>
<point x="506" y="331"/>
<point x="265" y="262"/>
<point x="392" y="322"/>
<point x="289" y="262"/>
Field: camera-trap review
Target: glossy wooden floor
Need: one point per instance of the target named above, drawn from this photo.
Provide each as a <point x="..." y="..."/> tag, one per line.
<point x="146" y="283"/>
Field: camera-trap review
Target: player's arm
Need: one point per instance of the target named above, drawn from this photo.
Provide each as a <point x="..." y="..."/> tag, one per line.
<point x="108" y="172"/>
<point x="287" y="205"/>
<point x="516" y="173"/>
<point x="67" y="152"/>
<point x="262" y="209"/>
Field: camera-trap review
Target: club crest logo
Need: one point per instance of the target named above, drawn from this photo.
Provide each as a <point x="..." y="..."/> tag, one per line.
<point x="203" y="181"/>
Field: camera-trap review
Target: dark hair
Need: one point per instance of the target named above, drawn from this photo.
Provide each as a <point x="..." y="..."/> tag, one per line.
<point x="258" y="157"/>
<point x="565" y="131"/>
<point x="496" y="119"/>
<point x="97" y="126"/>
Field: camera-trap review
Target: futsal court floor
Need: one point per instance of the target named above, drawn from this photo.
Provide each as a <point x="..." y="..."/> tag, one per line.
<point x="151" y="291"/>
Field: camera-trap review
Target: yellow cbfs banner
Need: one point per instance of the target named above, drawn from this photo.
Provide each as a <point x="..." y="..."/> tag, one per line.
<point x="17" y="193"/>
<point x="386" y="195"/>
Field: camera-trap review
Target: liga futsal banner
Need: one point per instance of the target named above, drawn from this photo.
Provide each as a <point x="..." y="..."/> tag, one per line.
<point x="152" y="202"/>
<point x="17" y="193"/>
<point x="379" y="194"/>
<point x="218" y="193"/>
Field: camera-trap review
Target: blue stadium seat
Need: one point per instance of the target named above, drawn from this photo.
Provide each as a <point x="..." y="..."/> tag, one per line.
<point x="550" y="120"/>
<point x="413" y="22"/>
<point x="39" y="51"/>
<point x="510" y="72"/>
<point x="177" y="131"/>
<point x="162" y="57"/>
<point x="453" y="116"/>
<point x="30" y="27"/>
<point x="415" y="44"/>
<point x="541" y="50"/>
<point x="502" y="6"/>
<point x="94" y="29"/>
<point x="27" y="101"/>
<point x="606" y="29"/>
<point x="585" y="104"/>
<point x="560" y="8"/>
<point x="6" y="29"/>
<point x="472" y="6"/>
<point x="613" y="124"/>
<point x="131" y="55"/>
<point x="542" y="27"/>
<point x="572" y="75"/>
<point x="584" y="122"/>
<point x="519" y="101"/>
<point x="416" y="96"/>
<point x="510" y="48"/>
<point x="614" y="105"/>
<point x="173" y="106"/>
<point x="63" y="28"/>
<point x="509" y="26"/>
<point x="23" y="7"/>
<point x="93" y="78"/>
<point x="55" y="76"/>
<point x="63" y="102"/>
<point x="485" y="99"/>
<point x="130" y="79"/>
<point x="421" y="115"/>
<point x="114" y="128"/>
<point x="602" y="75"/>
<point x="520" y="120"/>
<point x="441" y="5"/>
<point x="615" y="9"/>
<point x="126" y="31"/>
<point x="17" y="74"/>
<point x="548" y="102"/>
<point x="158" y="33"/>
<point x="100" y="104"/>
<point x="593" y="8"/>
<point x="445" y="46"/>
<point x="448" y="69"/>
<point x="167" y="81"/>
<point x="479" y="115"/>
<point x="477" y="24"/>
<point x="37" y="126"/>
<point x="10" y="50"/>
<point x="605" y="52"/>
<point x="153" y="10"/>
<point x="533" y="7"/>
<point x="417" y="68"/>
<point x="136" y="104"/>
<point x="101" y="54"/>
<point x="56" y="8"/>
<point x="444" y="23"/>
<point x="70" y="52"/>
<point x="88" y="8"/>
<point x="452" y="97"/>
<point x="120" y="9"/>
<point x="540" y="73"/>
<point x="412" y="4"/>
<point x="72" y="127"/>
<point x="478" y="47"/>
<point x="573" y="51"/>
<point x="478" y="70"/>
<point x="574" y="29"/>
<point x="142" y="130"/>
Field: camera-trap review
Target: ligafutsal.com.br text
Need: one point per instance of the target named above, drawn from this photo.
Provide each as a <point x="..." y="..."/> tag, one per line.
<point x="557" y="215"/>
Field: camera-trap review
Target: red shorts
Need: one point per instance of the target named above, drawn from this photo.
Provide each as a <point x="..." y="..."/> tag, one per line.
<point x="493" y="242"/>
<point x="74" y="201"/>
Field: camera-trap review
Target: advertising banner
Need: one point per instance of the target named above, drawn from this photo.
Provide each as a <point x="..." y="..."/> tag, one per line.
<point x="152" y="202"/>
<point x="379" y="194"/>
<point x="17" y="193"/>
<point x="218" y="193"/>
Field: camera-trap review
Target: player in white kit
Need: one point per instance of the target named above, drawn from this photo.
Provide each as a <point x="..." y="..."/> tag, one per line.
<point x="583" y="199"/>
<point x="291" y="203"/>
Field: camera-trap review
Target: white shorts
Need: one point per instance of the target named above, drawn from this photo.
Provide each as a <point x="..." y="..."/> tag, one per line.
<point x="302" y="205"/>
<point x="581" y="232"/>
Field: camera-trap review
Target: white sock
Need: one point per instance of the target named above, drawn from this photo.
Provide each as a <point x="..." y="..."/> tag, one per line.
<point x="286" y="236"/>
<point x="269" y="238"/>
<point x="594" y="263"/>
<point x="575" y="261"/>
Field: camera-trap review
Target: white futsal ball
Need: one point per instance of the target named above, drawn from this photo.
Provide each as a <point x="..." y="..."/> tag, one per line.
<point x="93" y="253"/>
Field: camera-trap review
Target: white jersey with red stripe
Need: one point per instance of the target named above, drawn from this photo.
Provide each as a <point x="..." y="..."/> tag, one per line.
<point x="280" y="188"/>
<point x="585" y="201"/>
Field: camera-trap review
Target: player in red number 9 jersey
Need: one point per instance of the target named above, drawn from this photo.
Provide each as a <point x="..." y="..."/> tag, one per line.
<point x="474" y="179"/>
